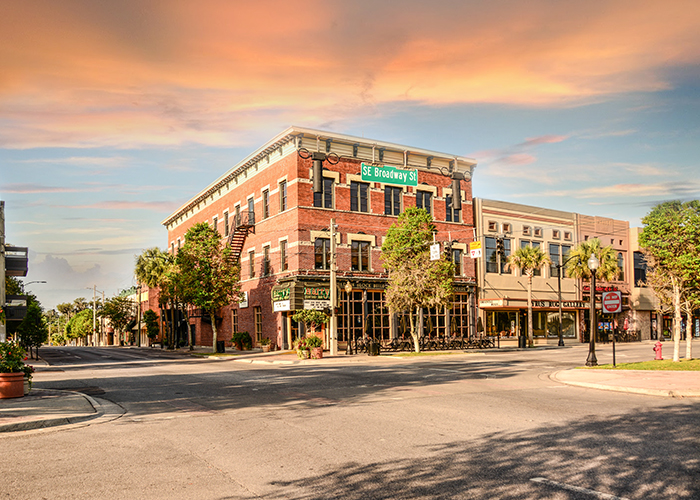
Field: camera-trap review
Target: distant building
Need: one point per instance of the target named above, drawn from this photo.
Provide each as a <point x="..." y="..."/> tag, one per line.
<point x="274" y="208"/>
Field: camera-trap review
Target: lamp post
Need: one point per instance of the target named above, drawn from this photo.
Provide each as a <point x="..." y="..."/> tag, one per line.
<point x="559" y="267"/>
<point x="348" y="290"/>
<point x="593" y="264"/>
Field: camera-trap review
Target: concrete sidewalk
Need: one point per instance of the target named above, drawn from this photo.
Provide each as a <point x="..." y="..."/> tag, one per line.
<point x="684" y="384"/>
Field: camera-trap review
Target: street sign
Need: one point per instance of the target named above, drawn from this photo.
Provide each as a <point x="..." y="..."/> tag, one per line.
<point x="389" y="175"/>
<point x="612" y="302"/>
<point x="475" y="249"/>
<point x="435" y="251"/>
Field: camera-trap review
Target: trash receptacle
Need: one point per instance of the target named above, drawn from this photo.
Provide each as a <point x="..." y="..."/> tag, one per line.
<point x="373" y="348"/>
<point x="522" y="341"/>
<point x="220" y="347"/>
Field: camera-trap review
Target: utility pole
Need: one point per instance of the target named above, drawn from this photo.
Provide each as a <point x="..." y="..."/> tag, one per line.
<point x="334" y="295"/>
<point x="94" y="314"/>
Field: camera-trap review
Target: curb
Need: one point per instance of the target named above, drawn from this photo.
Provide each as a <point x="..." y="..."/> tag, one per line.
<point x="630" y="390"/>
<point x="105" y="411"/>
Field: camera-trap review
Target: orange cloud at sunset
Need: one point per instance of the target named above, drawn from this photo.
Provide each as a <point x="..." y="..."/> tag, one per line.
<point x="140" y="73"/>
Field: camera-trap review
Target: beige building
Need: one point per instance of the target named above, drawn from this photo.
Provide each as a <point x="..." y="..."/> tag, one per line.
<point x="503" y="292"/>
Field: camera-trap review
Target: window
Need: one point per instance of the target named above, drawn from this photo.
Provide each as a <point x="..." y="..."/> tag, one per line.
<point x="538" y="232"/>
<point x="322" y="253"/>
<point x="506" y="227"/>
<point x="424" y="200"/>
<point x="237" y="216"/>
<point x="266" y="261"/>
<point x="284" y="264"/>
<point x="640" y="269"/>
<point x="258" y="323"/>
<point x="324" y="199"/>
<point x="359" y="255"/>
<point x="554" y="256"/>
<point x="265" y="204"/>
<point x="556" y="234"/>
<point x="533" y="244"/>
<point x="234" y="320"/>
<point x="226" y="228"/>
<point x="215" y="223"/>
<point x="457" y="259"/>
<point x="621" y="266"/>
<point x="178" y="244"/>
<point x="567" y="235"/>
<point x="358" y="196"/>
<point x="251" y="263"/>
<point x="251" y="210"/>
<point x="283" y="196"/>
<point x="392" y="200"/>
<point x="493" y="226"/>
<point x="504" y="257"/>
<point x="527" y="231"/>
<point x="451" y="214"/>
<point x="493" y="259"/>
<point x="172" y="248"/>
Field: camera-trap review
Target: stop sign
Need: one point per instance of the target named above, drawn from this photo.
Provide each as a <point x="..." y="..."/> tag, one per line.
<point x="612" y="302"/>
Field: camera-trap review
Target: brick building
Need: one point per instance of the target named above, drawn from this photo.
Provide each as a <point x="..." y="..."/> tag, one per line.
<point x="275" y="207"/>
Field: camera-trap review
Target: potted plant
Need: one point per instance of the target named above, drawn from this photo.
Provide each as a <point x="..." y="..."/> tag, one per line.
<point x="242" y="341"/>
<point x="265" y="344"/>
<point x="315" y="343"/>
<point x="12" y="358"/>
<point x="302" y="348"/>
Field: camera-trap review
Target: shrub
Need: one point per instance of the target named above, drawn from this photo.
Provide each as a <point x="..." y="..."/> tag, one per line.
<point x="242" y="340"/>
<point x="314" y="341"/>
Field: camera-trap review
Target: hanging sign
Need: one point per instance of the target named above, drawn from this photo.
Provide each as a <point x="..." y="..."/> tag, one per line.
<point x="435" y="251"/>
<point x="389" y="175"/>
<point x="244" y="300"/>
<point x="475" y="249"/>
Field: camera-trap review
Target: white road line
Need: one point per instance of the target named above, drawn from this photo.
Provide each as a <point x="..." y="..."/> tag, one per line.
<point x="576" y="489"/>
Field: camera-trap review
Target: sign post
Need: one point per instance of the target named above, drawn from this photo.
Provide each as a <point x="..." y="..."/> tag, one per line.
<point x="475" y="249"/>
<point x="612" y="304"/>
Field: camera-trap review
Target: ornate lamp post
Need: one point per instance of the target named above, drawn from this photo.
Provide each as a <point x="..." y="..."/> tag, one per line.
<point x="593" y="264"/>
<point x="348" y="290"/>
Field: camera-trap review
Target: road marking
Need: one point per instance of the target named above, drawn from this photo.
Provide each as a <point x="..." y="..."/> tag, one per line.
<point x="576" y="489"/>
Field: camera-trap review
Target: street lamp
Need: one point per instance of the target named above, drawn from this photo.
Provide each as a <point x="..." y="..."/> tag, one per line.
<point x="593" y="264"/>
<point x="32" y="282"/>
<point x="348" y="290"/>
<point x="559" y="266"/>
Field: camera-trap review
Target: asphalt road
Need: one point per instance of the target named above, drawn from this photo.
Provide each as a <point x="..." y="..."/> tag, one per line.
<point x="458" y="426"/>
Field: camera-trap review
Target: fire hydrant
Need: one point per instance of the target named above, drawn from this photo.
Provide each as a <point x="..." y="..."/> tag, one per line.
<point x="657" y="349"/>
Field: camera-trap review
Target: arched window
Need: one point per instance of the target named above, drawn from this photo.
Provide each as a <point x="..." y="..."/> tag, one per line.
<point x="621" y="265"/>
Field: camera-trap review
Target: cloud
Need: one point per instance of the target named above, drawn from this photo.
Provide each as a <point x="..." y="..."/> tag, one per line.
<point x="156" y="206"/>
<point x="27" y="188"/>
<point x="134" y="74"/>
<point x="668" y="190"/>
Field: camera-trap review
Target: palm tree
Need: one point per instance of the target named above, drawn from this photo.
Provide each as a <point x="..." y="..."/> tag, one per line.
<point x="578" y="268"/>
<point x="527" y="259"/>
<point x="150" y="268"/>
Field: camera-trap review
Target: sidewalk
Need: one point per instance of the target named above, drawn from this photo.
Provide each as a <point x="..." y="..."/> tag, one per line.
<point x="43" y="408"/>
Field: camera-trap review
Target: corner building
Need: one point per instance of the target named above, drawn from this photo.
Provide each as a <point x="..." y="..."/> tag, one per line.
<point x="275" y="208"/>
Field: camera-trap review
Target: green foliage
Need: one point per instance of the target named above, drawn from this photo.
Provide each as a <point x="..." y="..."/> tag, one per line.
<point x="313" y="341"/>
<point x="242" y="339"/>
<point x="80" y="325"/>
<point x="414" y="280"/>
<point x="151" y="319"/>
<point x="208" y="276"/>
<point x="577" y="267"/>
<point x="12" y="357"/>
<point x="33" y="331"/>
<point x="119" y="311"/>
<point x="311" y="318"/>
<point x="528" y="259"/>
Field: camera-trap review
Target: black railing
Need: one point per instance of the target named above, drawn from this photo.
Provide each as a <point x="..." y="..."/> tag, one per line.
<point x="244" y="218"/>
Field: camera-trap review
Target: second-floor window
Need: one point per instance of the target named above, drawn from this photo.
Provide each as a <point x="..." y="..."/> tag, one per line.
<point x="533" y="244"/>
<point x="266" y="262"/>
<point x="265" y="204"/>
<point x="283" y="196"/>
<point x="621" y="266"/>
<point x="251" y="210"/>
<point x="358" y="196"/>
<point x="322" y="253"/>
<point x="359" y="255"/>
<point x="451" y="213"/>
<point x="457" y="259"/>
<point x="251" y="263"/>
<point x="640" y="269"/>
<point x="554" y="257"/>
<point x="424" y="200"/>
<point x="324" y="199"/>
<point x="392" y="200"/>
<point x="226" y="222"/>
<point x="284" y="263"/>
<point x="215" y="223"/>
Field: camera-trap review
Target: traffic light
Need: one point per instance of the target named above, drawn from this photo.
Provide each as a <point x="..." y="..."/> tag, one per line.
<point x="448" y="250"/>
<point x="500" y="248"/>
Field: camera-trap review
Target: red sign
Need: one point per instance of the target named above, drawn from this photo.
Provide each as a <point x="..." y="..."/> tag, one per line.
<point x="612" y="302"/>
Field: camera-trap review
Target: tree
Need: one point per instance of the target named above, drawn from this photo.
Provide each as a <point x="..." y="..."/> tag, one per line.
<point x="415" y="281"/>
<point x="210" y="277"/>
<point x="528" y="259"/>
<point x="33" y="331"/>
<point x="150" y="267"/>
<point x="151" y="319"/>
<point x="671" y="242"/>
<point x="119" y="311"/>
<point x="80" y="325"/>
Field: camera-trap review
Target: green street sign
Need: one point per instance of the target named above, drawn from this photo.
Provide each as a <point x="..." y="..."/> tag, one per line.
<point x="389" y="175"/>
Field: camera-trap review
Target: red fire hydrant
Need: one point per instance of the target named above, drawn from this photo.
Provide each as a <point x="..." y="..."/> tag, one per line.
<point x="657" y="349"/>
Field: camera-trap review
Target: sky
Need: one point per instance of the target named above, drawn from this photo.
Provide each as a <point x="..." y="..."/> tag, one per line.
<point x="113" y="114"/>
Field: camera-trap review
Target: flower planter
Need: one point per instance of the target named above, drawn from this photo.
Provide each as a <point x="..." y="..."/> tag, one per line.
<point x="265" y="348"/>
<point x="11" y="385"/>
<point x="303" y="353"/>
<point x="316" y="352"/>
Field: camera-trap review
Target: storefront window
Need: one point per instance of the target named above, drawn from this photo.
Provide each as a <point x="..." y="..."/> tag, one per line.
<point x="503" y="323"/>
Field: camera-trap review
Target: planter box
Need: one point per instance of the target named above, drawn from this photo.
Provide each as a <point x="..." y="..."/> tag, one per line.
<point x="11" y="385"/>
<point x="316" y="352"/>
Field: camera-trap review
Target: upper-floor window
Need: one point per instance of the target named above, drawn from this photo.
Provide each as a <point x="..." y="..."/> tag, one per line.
<point x="556" y="234"/>
<point x="554" y="250"/>
<point x="640" y="269"/>
<point x="533" y="244"/>
<point x="493" y="226"/>
<point x="284" y="263"/>
<point x="283" y="196"/>
<point x="621" y="266"/>
<point x="251" y="263"/>
<point x="265" y="204"/>
<point x="322" y="253"/>
<point x="506" y="227"/>
<point x="358" y="196"/>
<point x="215" y="223"/>
<point x="567" y="235"/>
<point x="451" y="214"/>
<point x="424" y="200"/>
<point x="251" y="210"/>
<point x="457" y="259"/>
<point x="494" y="262"/>
<point x="392" y="200"/>
<point x="527" y="231"/>
<point x="538" y="232"/>
<point x="359" y="254"/>
<point x="226" y="228"/>
<point x="324" y="199"/>
<point x="266" y="271"/>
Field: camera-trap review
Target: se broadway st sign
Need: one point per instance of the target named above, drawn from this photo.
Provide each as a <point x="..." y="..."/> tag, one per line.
<point x="389" y="175"/>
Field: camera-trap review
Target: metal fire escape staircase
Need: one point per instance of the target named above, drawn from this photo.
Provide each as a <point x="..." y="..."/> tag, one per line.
<point x="243" y="224"/>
